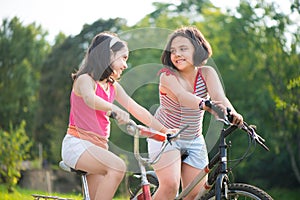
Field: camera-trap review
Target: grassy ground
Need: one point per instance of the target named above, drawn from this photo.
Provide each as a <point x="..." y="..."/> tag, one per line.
<point x="24" y="194"/>
<point x="285" y="194"/>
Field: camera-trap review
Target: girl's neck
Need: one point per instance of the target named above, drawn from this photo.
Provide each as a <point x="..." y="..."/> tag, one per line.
<point x="189" y="74"/>
<point x="104" y="84"/>
<point x="188" y="77"/>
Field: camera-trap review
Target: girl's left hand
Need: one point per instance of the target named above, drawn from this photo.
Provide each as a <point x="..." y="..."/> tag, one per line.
<point x="237" y="118"/>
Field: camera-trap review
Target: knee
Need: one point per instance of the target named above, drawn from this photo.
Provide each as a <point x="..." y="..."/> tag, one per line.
<point x="121" y="167"/>
<point x="118" y="171"/>
<point x="169" y="186"/>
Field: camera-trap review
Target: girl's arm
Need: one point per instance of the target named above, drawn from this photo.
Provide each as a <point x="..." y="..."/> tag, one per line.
<point x="85" y="86"/>
<point x="137" y="110"/>
<point x="214" y="86"/>
<point x="170" y="85"/>
<point x="217" y="93"/>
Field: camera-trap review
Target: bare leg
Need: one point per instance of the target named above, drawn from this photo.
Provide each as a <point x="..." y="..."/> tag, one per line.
<point x="188" y="174"/>
<point x="105" y="169"/>
<point x="167" y="170"/>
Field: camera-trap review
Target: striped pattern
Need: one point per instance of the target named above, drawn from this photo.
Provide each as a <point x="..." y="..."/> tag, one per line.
<point x="172" y="115"/>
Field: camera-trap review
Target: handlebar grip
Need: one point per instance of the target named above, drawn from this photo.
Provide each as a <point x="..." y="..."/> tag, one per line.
<point x="158" y="136"/>
<point x="111" y="114"/>
<point x="221" y="114"/>
<point x="229" y="116"/>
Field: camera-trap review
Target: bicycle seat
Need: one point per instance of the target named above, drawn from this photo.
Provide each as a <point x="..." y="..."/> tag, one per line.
<point x="65" y="167"/>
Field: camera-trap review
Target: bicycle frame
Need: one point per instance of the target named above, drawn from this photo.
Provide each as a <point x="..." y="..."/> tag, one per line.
<point x="137" y="131"/>
<point x="221" y="158"/>
<point x="133" y="129"/>
<point x="146" y="195"/>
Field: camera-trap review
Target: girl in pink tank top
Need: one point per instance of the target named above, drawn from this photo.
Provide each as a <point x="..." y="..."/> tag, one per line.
<point x="94" y="90"/>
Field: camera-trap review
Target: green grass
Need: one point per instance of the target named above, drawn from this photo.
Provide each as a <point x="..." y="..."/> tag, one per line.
<point x="25" y="194"/>
<point x="284" y="194"/>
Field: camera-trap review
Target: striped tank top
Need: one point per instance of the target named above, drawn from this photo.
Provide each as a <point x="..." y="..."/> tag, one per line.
<point x="173" y="115"/>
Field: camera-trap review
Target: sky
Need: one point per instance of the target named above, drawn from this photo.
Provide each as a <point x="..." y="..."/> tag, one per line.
<point x="69" y="16"/>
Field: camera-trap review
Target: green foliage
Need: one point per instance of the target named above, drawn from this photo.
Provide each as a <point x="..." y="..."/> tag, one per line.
<point x="14" y="149"/>
<point x="22" y="52"/>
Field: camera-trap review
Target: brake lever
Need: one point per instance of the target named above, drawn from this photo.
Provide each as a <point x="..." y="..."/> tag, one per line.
<point x="251" y="130"/>
<point x="171" y="137"/>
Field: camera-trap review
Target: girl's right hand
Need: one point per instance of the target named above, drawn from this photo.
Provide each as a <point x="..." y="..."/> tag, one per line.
<point x="121" y="116"/>
<point x="218" y="104"/>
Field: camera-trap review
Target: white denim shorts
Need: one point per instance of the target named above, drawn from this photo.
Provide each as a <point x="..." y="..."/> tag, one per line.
<point x="195" y="148"/>
<point x="72" y="149"/>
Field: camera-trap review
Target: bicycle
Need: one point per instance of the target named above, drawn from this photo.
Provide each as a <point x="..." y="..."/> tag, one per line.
<point x="218" y="185"/>
<point x="136" y="131"/>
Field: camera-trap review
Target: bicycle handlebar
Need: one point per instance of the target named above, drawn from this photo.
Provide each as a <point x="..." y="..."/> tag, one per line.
<point x="132" y="127"/>
<point x="138" y="130"/>
<point x="227" y="118"/>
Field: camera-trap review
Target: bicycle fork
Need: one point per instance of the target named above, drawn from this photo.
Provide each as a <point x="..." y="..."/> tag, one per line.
<point x="146" y="194"/>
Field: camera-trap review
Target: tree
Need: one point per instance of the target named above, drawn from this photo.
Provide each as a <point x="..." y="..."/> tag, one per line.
<point x="22" y="51"/>
<point x="262" y="55"/>
<point x="14" y="148"/>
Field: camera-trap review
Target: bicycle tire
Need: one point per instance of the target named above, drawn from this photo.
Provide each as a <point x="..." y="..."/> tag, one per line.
<point x="241" y="191"/>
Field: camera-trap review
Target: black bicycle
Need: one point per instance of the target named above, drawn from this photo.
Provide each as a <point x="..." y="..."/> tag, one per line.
<point x="218" y="185"/>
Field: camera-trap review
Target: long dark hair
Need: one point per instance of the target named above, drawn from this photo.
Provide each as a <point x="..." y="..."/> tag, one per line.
<point x="97" y="59"/>
<point x="202" y="48"/>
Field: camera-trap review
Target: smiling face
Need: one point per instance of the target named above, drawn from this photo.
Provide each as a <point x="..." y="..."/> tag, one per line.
<point x="182" y="51"/>
<point x="119" y="64"/>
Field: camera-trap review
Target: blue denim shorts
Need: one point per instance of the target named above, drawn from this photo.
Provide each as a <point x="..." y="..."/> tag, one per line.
<point x="195" y="148"/>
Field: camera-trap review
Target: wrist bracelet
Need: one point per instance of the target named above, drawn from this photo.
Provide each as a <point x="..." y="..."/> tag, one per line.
<point x="201" y="105"/>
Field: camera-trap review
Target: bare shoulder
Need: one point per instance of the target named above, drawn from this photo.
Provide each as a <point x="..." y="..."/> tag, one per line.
<point x="207" y="69"/>
<point x="208" y="72"/>
<point x="117" y="85"/>
<point x="83" y="82"/>
<point x="167" y="77"/>
<point x="84" y="78"/>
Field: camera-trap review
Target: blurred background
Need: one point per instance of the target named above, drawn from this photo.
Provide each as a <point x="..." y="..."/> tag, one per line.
<point x="256" y="50"/>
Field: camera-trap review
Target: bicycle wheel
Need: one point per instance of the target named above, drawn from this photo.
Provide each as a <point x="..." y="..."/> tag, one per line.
<point x="134" y="183"/>
<point x="241" y="191"/>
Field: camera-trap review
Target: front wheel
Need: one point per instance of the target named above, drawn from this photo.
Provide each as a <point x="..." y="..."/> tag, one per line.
<point x="134" y="184"/>
<point x="241" y="191"/>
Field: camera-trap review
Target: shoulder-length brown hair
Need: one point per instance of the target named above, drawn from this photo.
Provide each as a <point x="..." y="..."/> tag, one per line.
<point x="202" y="48"/>
<point x="97" y="59"/>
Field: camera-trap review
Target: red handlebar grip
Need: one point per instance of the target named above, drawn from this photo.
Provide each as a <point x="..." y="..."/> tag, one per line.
<point x="153" y="134"/>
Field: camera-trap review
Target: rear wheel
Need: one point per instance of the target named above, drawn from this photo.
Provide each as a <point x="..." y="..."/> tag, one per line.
<point x="241" y="191"/>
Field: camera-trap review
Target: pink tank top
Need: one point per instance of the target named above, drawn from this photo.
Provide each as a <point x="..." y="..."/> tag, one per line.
<point x="88" y="119"/>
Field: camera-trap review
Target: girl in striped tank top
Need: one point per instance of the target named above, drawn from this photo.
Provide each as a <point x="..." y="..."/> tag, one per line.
<point x="185" y="83"/>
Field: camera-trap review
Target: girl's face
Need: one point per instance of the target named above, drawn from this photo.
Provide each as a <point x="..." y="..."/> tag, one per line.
<point x="182" y="53"/>
<point x="118" y="62"/>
